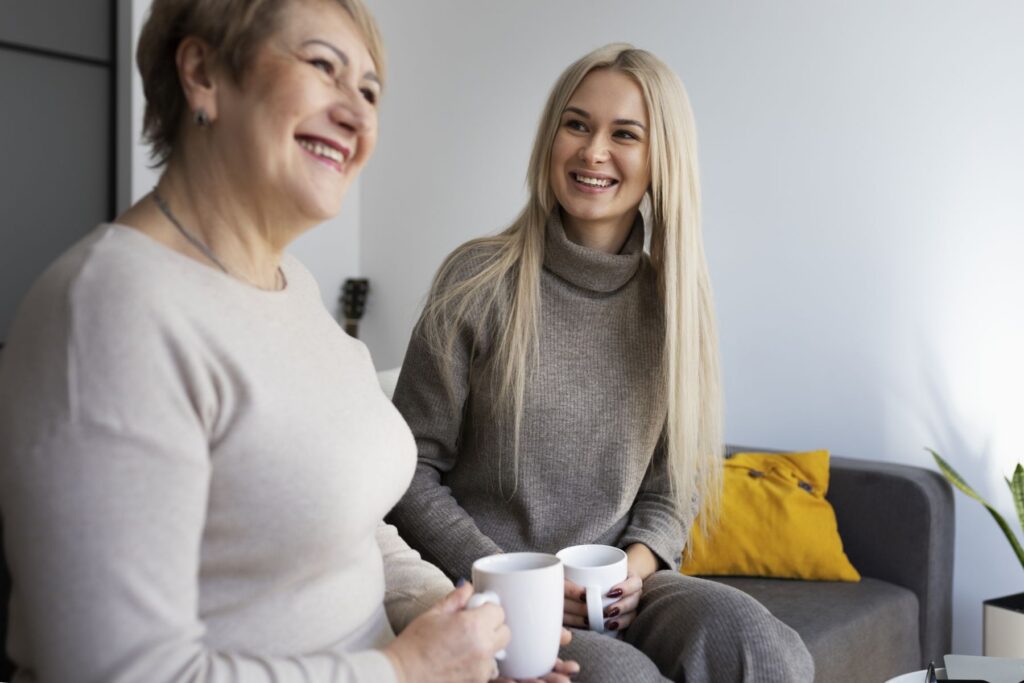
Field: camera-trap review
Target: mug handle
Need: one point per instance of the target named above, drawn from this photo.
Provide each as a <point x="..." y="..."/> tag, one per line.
<point x="479" y="599"/>
<point x="595" y="608"/>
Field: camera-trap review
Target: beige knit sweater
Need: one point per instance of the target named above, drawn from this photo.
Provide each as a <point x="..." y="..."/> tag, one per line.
<point x="193" y="474"/>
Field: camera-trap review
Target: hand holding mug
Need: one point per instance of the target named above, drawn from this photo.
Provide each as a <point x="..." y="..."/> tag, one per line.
<point x="598" y="585"/>
<point x="641" y="562"/>
<point x="617" y="616"/>
<point x="528" y="587"/>
<point x="450" y="643"/>
<point x="621" y="613"/>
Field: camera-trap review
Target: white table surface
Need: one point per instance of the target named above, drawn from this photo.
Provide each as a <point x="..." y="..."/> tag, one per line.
<point x="917" y="676"/>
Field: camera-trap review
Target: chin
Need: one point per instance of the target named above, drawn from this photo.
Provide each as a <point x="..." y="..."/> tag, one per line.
<point x="586" y="213"/>
<point x="323" y="205"/>
<point x="325" y="213"/>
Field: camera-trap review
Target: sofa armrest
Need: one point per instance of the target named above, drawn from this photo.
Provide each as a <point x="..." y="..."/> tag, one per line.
<point x="897" y="524"/>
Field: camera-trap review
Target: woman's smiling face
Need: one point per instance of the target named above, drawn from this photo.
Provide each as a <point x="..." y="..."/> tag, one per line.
<point x="303" y="122"/>
<point x="600" y="166"/>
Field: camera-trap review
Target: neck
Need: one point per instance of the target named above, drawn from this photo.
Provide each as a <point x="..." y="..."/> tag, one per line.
<point x="245" y="238"/>
<point x="601" y="235"/>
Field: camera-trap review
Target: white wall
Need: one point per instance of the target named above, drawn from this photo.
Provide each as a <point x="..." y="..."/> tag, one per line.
<point x="863" y="175"/>
<point x="863" y="210"/>
<point x="330" y="251"/>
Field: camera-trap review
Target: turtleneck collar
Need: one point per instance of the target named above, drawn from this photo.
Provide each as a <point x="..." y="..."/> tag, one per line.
<point x="589" y="268"/>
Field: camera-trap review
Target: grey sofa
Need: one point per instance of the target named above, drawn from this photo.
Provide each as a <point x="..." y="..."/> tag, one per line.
<point x="896" y="522"/>
<point x="5" y="592"/>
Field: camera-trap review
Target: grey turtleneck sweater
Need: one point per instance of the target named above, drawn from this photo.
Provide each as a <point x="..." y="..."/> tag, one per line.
<point x="590" y="467"/>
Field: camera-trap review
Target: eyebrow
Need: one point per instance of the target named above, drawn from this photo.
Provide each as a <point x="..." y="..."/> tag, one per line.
<point x="369" y="75"/>
<point x="617" y="122"/>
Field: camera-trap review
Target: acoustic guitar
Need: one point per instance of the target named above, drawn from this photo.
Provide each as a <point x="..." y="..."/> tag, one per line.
<point x="353" y="303"/>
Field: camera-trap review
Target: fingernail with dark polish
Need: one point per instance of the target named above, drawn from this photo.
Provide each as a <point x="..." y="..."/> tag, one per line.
<point x="612" y="612"/>
<point x="612" y="626"/>
<point x="586" y="622"/>
<point x="583" y="596"/>
<point x="460" y="583"/>
<point x="615" y="593"/>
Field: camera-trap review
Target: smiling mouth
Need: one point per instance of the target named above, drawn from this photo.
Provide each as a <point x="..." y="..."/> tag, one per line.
<point x="322" y="150"/>
<point x="591" y="181"/>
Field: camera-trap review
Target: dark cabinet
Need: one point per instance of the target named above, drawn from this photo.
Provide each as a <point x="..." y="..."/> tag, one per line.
<point x="57" y="109"/>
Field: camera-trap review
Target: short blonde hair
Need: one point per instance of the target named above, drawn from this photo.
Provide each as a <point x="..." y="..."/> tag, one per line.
<point x="234" y="29"/>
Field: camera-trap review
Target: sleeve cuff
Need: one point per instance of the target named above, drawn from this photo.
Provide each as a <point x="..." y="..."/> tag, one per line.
<point x="669" y="554"/>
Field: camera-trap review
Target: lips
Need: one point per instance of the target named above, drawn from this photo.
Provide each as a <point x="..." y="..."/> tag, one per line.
<point x="325" y="150"/>
<point x="592" y="181"/>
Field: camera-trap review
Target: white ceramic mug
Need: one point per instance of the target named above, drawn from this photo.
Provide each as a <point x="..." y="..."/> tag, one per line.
<point x="597" y="568"/>
<point x="530" y="588"/>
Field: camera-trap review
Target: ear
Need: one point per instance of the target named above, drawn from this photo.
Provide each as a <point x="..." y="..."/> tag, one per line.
<point x="198" y="75"/>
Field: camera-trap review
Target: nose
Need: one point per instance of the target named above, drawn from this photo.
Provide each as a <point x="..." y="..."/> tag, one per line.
<point x="594" y="150"/>
<point x="352" y="112"/>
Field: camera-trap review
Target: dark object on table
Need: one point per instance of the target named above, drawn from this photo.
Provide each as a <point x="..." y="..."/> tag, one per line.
<point x="353" y="303"/>
<point x="896" y="522"/>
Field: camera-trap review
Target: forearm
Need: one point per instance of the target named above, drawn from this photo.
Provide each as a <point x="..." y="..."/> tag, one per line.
<point x="655" y="523"/>
<point x="432" y="395"/>
<point x="656" y="520"/>
<point x="641" y="561"/>
<point x="432" y="521"/>
<point x="412" y="585"/>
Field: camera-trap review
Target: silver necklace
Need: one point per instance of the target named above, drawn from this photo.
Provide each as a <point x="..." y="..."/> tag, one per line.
<point x="198" y="243"/>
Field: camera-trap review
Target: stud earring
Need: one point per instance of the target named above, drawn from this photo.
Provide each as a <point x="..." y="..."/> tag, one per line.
<point x="201" y="118"/>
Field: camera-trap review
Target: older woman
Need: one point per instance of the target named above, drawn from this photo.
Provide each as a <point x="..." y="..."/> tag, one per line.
<point x="194" y="459"/>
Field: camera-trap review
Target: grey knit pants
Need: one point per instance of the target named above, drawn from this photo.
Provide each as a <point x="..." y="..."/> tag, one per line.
<point x="694" y="630"/>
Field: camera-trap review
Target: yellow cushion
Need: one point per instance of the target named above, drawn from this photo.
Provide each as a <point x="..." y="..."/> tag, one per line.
<point x="774" y="521"/>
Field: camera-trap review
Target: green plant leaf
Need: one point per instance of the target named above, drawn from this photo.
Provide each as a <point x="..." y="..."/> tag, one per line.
<point x="956" y="480"/>
<point x="1017" y="489"/>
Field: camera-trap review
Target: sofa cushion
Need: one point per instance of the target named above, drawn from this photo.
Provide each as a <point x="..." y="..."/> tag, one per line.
<point x="775" y="521"/>
<point x="865" y="631"/>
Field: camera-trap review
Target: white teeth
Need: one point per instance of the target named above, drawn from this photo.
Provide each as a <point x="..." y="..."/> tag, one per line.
<point x="322" y="150"/>
<point x="593" y="182"/>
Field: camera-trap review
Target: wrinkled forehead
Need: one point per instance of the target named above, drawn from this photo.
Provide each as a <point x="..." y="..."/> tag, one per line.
<point x="326" y="22"/>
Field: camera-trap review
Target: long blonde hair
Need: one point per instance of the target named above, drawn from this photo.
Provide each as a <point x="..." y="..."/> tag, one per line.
<point x="507" y="281"/>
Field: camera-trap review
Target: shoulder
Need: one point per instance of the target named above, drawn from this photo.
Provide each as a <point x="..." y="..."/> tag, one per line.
<point x="95" y="318"/>
<point x="464" y="294"/>
<point x="99" y="277"/>
<point x="123" y="283"/>
<point x="469" y="260"/>
<point x="118" y="299"/>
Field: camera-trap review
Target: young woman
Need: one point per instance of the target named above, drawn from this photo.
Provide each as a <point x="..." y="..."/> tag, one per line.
<point x="563" y="387"/>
